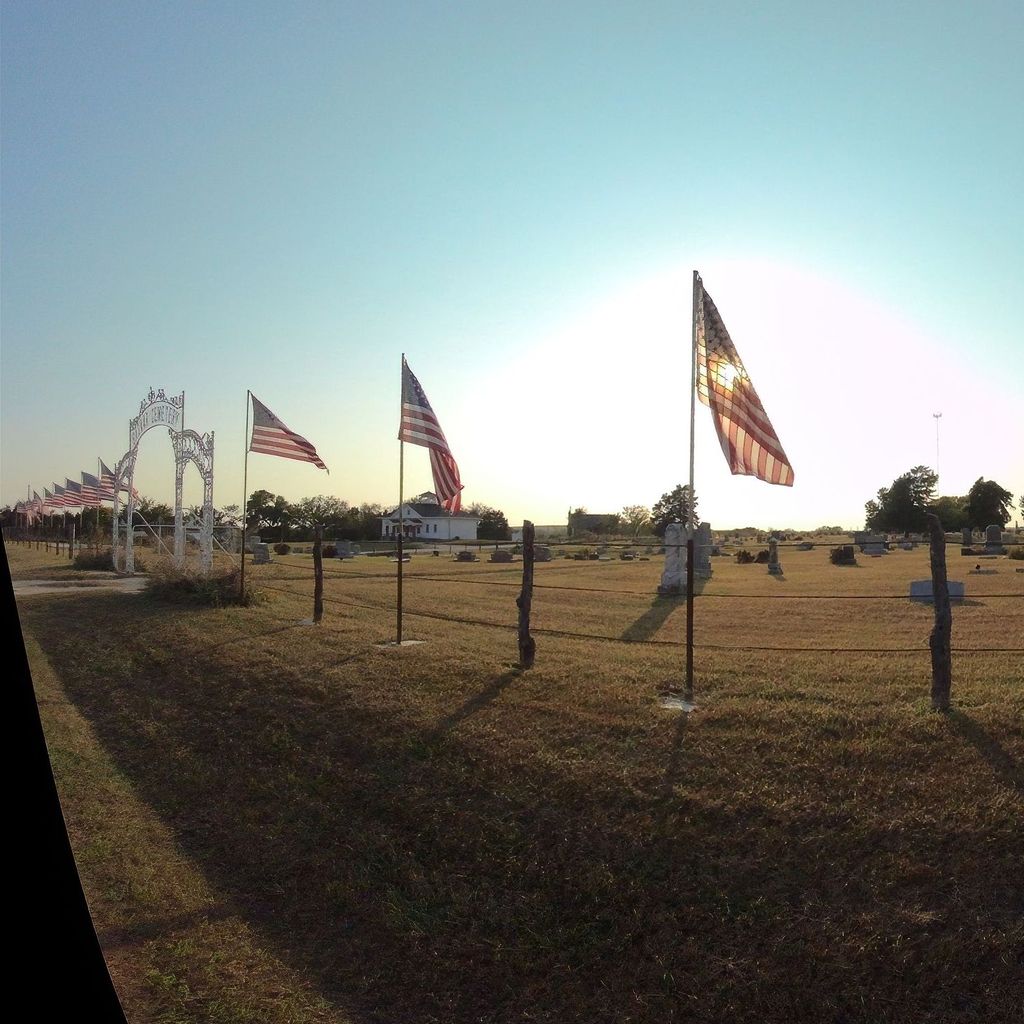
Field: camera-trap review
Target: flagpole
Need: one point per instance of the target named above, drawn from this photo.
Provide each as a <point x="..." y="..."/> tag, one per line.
<point x="688" y="692"/>
<point x="401" y="488"/>
<point x="245" y="494"/>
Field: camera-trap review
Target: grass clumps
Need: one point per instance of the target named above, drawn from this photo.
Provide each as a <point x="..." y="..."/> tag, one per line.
<point x="101" y="559"/>
<point x="216" y="589"/>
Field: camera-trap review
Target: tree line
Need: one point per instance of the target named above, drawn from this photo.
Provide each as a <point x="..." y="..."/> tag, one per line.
<point x="903" y="505"/>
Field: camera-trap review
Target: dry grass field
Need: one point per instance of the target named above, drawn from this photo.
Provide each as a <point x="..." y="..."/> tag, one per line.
<point x="279" y="822"/>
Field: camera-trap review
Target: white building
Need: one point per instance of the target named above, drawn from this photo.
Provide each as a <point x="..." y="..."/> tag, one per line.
<point x="424" y="519"/>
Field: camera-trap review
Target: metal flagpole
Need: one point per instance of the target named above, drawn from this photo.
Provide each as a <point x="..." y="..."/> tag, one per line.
<point x="401" y="487"/>
<point x="688" y="692"/>
<point x="245" y="493"/>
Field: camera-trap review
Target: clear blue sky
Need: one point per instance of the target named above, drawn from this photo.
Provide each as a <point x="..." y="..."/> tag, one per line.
<point x="285" y="197"/>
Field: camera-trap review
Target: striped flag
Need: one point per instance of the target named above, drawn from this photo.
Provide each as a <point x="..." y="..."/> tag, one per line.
<point x="271" y="437"/>
<point x="37" y="503"/>
<point x="90" y="491"/>
<point x="748" y="439"/>
<point x="419" y="426"/>
<point x="49" y="502"/>
<point x="106" y="488"/>
<point x="73" y="492"/>
<point x="60" y="497"/>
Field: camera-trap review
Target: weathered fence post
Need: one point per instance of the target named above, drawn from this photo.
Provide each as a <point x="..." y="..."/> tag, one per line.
<point x="939" y="641"/>
<point x="71" y="544"/>
<point x="318" y="573"/>
<point x="527" y="645"/>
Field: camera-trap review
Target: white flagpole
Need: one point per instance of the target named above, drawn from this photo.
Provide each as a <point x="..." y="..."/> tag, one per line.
<point x="245" y="493"/>
<point x="401" y="488"/>
<point x="690" y="559"/>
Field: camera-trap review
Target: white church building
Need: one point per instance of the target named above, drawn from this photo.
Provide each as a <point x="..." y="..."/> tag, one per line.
<point x="423" y="518"/>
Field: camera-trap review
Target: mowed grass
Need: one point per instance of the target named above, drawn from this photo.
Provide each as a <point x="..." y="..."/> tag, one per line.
<point x="286" y="823"/>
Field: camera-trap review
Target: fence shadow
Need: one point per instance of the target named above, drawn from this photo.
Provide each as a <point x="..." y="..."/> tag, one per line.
<point x="1005" y="766"/>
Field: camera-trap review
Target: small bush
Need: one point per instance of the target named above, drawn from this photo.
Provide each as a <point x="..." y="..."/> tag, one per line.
<point x="215" y="590"/>
<point x="1017" y="552"/>
<point x="843" y="555"/>
<point x="744" y="557"/>
<point x="102" y="559"/>
<point x="282" y="549"/>
<point x="762" y="557"/>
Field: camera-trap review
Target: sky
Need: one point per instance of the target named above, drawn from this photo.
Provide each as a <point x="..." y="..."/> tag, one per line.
<point x="217" y="197"/>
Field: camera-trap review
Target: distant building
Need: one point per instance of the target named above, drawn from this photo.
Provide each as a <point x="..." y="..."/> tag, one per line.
<point x="558" y="530"/>
<point x="424" y="518"/>
<point x="589" y="522"/>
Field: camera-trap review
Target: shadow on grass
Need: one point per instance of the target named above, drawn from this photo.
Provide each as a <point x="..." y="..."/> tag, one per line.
<point x="654" y="618"/>
<point x="542" y="870"/>
<point x="1005" y="766"/>
<point x="477" y="702"/>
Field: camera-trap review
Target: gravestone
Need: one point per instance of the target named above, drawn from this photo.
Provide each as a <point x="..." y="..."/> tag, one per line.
<point x="500" y="556"/>
<point x="994" y="540"/>
<point x="344" y="549"/>
<point x="541" y="553"/>
<point x="774" y="568"/>
<point x="251" y="540"/>
<point x="966" y="537"/>
<point x="673" y="576"/>
<point x="465" y="556"/>
<point x="865" y="540"/>
<point x="921" y="590"/>
<point x="260" y="553"/>
<point x="907" y="545"/>
<point x="702" y="552"/>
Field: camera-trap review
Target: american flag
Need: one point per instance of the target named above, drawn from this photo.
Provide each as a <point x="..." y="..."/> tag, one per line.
<point x="106" y="488"/>
<point x="49" y="502"/>
<point x="73" y="494"/>
<point x="90" y="491"/>
<point x="60" y="497"/>
<point x="748" y="439"/>
<point x="272" y="437"/>
<point x="37" y="503"/>
<point x="420" y="426"/>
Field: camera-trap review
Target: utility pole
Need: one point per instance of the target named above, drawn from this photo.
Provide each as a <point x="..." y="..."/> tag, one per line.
<point x="937" y="416"/>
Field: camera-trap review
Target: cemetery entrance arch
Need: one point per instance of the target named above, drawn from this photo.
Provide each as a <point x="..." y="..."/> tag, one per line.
<point x="161" y="410"/>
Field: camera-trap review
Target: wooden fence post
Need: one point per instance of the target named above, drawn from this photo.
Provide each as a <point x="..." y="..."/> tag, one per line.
<point x="527" y="645"/>
<point x="71" y="544"/>
<point x="318" y="573"/>
<point x="939" y="641"/>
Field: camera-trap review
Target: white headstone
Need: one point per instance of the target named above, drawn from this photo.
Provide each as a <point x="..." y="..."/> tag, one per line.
<point x="921" y="590"/>
<point x="673" y="578"/>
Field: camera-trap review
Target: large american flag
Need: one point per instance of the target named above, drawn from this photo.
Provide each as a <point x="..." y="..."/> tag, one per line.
<point x="271" y="437"/>
<point x="748" y="439"/>
<point x="59" y="497"/>
<point x="420" y="426"/>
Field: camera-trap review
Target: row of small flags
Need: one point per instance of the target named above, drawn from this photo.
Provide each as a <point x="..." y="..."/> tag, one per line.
<point x="91" y="491"/>
<point x="748" y="440"/>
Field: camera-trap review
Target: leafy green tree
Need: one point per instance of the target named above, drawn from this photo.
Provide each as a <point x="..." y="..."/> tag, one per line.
<point x="952" y="512"/>
<point x="493" y="524"/>
<point x="902" y="506"/>
<point x="636" y="518"/>
<point x="264" y="509"/>
<point x="323" y="508"/>
<point x="154" y="511"/>
<point x="988" y="503"/>
<point x="673" y="507"/>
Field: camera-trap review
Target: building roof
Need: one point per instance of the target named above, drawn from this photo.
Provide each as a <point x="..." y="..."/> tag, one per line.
<point x="428" y="510"/>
